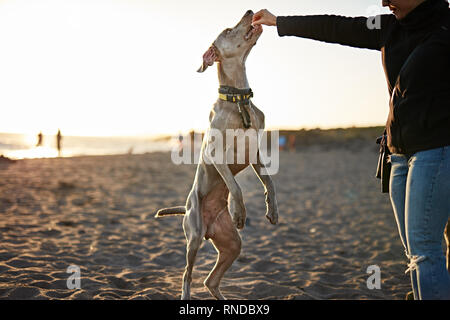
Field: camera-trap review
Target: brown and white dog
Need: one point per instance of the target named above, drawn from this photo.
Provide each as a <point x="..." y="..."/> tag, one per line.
<point x="215" y="191"/>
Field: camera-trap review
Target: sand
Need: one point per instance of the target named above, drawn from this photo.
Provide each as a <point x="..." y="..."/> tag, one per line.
<point x="97" y="213"/>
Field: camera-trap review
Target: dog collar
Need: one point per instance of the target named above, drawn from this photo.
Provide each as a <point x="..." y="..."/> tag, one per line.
<point x="232" y="94"/>
<point x="241" y="97"/>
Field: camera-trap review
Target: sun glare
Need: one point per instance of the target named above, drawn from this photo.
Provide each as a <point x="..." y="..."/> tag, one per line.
<point x="36" y="152"/>
<point x="112" y="72"/>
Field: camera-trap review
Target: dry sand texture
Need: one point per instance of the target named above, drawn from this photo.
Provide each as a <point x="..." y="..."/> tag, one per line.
<point x="97" y="213"/>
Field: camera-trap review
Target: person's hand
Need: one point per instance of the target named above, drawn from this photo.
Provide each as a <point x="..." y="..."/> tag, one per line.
<point x="264" y="17"/>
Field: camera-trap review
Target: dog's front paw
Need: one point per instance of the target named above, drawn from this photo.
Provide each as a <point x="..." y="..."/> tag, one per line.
<point x="239" y="221"/>
<point x="272" y="210"/>
<point x="239" y="216"/>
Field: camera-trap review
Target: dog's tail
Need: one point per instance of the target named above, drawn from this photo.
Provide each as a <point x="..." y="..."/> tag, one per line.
<point x="171" y="211"/>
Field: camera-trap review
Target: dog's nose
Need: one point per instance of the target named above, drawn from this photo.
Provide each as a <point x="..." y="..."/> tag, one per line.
<point x="249" y="12"/>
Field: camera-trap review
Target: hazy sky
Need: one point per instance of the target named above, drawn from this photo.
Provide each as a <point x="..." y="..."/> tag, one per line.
<point x="128" y="67"/>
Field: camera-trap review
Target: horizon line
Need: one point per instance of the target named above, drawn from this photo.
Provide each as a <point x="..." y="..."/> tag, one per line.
<point x="165" y="134"/>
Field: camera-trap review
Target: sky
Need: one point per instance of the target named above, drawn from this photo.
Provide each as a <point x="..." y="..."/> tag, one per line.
<point x="128" y="67"/>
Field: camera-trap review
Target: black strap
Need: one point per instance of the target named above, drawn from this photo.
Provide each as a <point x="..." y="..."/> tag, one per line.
<point x="246" y="120"/>
<point x="235" y="91"/>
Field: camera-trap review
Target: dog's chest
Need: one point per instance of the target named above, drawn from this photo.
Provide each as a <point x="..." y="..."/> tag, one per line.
<point x="228" y="116"/>
<point x="231" y="141"/>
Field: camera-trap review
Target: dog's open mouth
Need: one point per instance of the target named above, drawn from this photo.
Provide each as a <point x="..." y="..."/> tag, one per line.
<point x="252" y="30"/>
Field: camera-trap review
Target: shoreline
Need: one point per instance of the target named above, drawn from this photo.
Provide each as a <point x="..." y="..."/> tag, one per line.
<point x="354" y="137"/>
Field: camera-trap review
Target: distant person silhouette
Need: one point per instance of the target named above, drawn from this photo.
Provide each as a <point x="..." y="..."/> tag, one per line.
<point x="40" y="140"/>
<point x="58" y="142"/>
<point x="180" y="142"/>
<point x="192" y="138"/>
<point x="291" y="142"/>
<point x="282" y="142"/>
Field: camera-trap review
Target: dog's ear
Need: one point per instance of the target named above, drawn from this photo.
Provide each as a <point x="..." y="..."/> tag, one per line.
<point x="209" y="57"/>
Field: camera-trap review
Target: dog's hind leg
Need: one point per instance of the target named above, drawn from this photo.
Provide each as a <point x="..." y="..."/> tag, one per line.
<point x="194" y="235"/>
<point x="227" y="242"/>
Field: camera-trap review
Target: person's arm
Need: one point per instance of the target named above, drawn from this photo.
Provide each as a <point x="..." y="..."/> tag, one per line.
<point x="352" y="32"/>
<point x="355" y="32"/>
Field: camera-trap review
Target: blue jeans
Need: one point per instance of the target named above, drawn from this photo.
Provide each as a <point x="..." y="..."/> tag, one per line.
<point x="420" y="196"/>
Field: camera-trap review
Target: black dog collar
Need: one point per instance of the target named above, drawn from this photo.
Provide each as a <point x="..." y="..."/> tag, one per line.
<point x="241" y="97"/>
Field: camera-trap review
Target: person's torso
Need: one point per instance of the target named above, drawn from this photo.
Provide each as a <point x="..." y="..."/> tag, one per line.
<point x="417" y="67"/>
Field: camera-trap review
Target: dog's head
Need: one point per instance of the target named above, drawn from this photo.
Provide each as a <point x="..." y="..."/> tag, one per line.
<point x="233" y="42"/>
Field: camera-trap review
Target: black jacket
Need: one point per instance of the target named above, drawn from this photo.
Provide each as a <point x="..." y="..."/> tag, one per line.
<point x="416" y="60"/>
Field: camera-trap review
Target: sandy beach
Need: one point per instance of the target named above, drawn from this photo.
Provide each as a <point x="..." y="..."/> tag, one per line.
<point x="97" y="213"/>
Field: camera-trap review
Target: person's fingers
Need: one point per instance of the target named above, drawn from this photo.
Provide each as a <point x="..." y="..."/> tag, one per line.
<point x="259" y="21"/>
<point x="256" y="22"/>
<point x="263" y="17"/>
<point x="259" y="14"/>
<point x="257" y="17"/>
